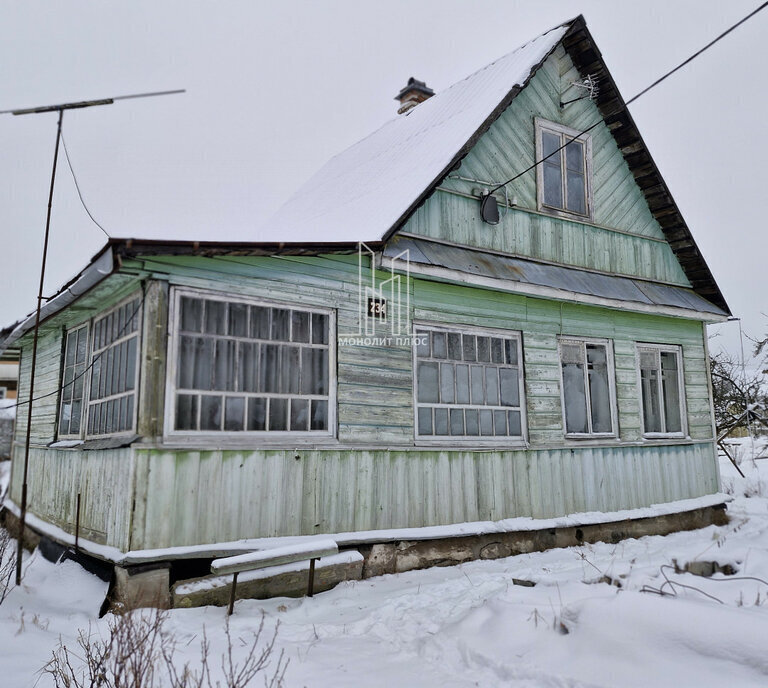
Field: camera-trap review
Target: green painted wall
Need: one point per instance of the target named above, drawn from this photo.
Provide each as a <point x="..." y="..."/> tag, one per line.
<point x="638" y="249"/>
<point x="374" y="477"/>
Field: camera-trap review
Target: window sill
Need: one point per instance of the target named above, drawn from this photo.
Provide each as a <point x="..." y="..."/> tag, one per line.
<point x="469" y="443"/>
<point x="223" y="441"/>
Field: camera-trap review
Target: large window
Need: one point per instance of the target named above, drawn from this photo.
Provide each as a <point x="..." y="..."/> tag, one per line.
<point x="564" y="177"/>
<point x="100" y="374"/>
<point x="469" y="384"/>
<point x="242" y="366"/>
<point x="587" y="387"/>
<point x="661" y="384"/>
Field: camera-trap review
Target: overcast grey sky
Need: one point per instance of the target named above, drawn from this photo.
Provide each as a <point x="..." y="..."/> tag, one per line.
<point x="275" y="89"/>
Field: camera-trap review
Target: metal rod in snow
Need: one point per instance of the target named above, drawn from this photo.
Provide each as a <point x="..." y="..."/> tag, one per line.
<point x="87" y="103"/>
<point x="23" y="510"/>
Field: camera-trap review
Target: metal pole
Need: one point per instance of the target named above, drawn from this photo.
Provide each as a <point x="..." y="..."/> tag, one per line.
<point x="23" y="515"/>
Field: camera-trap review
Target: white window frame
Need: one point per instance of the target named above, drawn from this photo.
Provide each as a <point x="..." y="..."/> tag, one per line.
<point x="86" y="376"/>
<point x="280" y="437"/>
<point x="86" y="400"/>
<point x="476" y="440"/>
<point x="608" y="344"/>
<point x="678" y="351"/>
<point x="542" y="125"/>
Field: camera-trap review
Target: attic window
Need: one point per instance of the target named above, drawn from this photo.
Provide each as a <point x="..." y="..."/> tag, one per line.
<point x="564" y="178"/>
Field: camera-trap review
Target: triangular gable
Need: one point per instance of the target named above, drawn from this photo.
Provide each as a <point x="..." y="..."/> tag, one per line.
<point x="370" y="190"/>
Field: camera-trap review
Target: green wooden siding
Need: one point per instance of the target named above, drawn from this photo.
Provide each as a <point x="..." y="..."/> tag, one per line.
<point x="638" y="249"/>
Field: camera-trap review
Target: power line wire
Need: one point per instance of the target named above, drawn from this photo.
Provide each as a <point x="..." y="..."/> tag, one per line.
<point x="77" y="186"/>
<point x="636" y="96"/>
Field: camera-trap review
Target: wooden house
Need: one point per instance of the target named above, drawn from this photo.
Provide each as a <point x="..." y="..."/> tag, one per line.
<point x="448" y="369"/>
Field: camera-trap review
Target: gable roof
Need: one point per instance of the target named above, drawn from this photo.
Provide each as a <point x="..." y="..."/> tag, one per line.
<point x="369" y="191"/>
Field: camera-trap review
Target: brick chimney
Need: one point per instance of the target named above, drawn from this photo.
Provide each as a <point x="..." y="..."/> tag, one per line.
<point x="412" y="94"/>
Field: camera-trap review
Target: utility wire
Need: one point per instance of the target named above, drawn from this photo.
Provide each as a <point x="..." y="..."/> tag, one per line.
<point x="638" y="95"/>
<point x="77" y="186"/>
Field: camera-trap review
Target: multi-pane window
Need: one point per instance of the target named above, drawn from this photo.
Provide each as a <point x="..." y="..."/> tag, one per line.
<point x="247" y="367"/>
<point x="661" y="383"/>
<point x="73" y="381"/>
<point x="114" y="372"/>
<point x="563" y="177"/>
<point x="468" y="384"/>
<point x="588" y="392"/>
<point x="100" y="374"/>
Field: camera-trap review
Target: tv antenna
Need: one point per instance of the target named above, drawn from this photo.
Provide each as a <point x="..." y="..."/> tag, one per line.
<point x="36" y="111"/>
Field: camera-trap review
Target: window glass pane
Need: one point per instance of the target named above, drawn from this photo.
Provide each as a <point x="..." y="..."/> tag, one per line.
<point x="281" y="324"/>
<point x="599" y="390"/>
<point x="577" y="193"/>
<point x="462" y="384"/>
<point x="483" y="349"/>
<point x="492" y="386"/>
<point x="574" y="156"/>
<point x="422" y="344"/>
<point x="670" y="383"/>
<point x="649" y="380"/>
<point x="426" y="382"/>
<point x="299" y="326"/>
<point x="441" y="421"/>
<point x="74" y="426"/>
<point x="257" y="414"/>
<point x="510" y="348"/>
<point x="202" y="371"/>
<point x="549" y="144"/>
<point x="468" y="346"/>
<point x="553" y="185"/>
<point x="238" y="319"/>
<point x="425" y="420"/>
<point x="486" y="422"/>
<point x="478" y="392"/>
<point x="278" y="414"/>
<point x="439" y="346"/>
<point x="500" y="423"/>
<point x="319" y="328"/>
<point x="269" y="368"/>
<point x="457" y="421"/>
<point x="186" y="412"/>
<point x="260" y="322"/>
<point x="446" y="383"/>
<point x="71" y="349"/>
<point x="510" y="389"/>
<point x="130" y="363"/>
<point x="215" y="317"/>
<point x="497" y="350"/>
<point x="234" y="413"/>
<point x="454" y="346"/>
<point x="224" y="365"/>
<point x="290" y="370"/>
<point x="248" y="366"/>
<point x="191" y="314"/>
<point x="319" y="415"/>
<point x="471" y="418"/>
<point x="300" y="414"/>
<point x="515" y="424"/>
<point x="210" y="412"/>
<point x="574" y="397"/>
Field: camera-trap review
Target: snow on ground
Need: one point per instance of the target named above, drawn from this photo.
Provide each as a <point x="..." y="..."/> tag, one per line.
<point x="470" y="625"/>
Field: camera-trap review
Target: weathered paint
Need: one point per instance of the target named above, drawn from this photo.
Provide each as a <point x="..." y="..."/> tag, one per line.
<point x="637" y="249"/>
<point x="374" y="477"/>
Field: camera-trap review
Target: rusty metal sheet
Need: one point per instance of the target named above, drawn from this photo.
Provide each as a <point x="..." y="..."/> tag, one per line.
<point x="568" y="279"/>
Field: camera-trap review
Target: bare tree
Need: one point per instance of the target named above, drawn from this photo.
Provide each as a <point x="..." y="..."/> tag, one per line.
<point x="7" y="563"/>
<point x="139" y="653"/>
<point x="739" y="396"/>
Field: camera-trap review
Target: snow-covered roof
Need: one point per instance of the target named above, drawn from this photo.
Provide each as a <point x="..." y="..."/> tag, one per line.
<point x="365" y="191"/>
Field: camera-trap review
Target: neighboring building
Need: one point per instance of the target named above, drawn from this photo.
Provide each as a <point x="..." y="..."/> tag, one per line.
<point x="9" y="373"/>
<point x="550" y="364"/>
